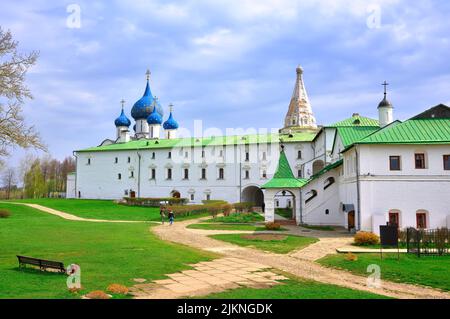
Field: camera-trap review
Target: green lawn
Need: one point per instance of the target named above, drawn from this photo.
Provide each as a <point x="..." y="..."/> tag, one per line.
<point x="237" y="218"/>
<point x="426" y="270"/>
<point x="284" y="212"/>
<point x="216" y="226"/>
<point x="106" y="252"/>
<point x="296" y="289"/>
<point x="102" y="209"/>
<point x="283" y="246"/>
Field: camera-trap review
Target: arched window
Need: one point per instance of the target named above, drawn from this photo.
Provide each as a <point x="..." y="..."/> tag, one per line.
<point x="310" y="195"/>
<point x="422" y="219"/>
<point x="328" y="182"/>
<point x="394" y="217"/>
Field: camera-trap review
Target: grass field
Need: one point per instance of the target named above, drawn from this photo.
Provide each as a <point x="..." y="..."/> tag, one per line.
<point x="217" y="226"/>
<point x="296" y="289"/>
<point x="238" y="218"/>
<point x="106" y="252"/>
<point x="288" y="244"/>
<point x="426" y="270"/>
<point x="323" y="228"/>
<point x="101" y="209"/>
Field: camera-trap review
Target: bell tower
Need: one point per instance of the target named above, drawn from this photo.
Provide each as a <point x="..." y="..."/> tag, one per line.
<point x="299" y="115"/>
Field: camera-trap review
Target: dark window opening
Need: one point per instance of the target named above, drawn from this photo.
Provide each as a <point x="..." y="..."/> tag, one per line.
<point x="327" y="212"/>
<point x="119" y="176"/>
<point x="446" y="162"/>
<point x="419" y="160"/>
<point x="153" y="174"/>
<point x="169" y="173"/>
<point x="186" y="174"/>
<point x="328" y="182"/>
<point x="394" y="163"/>
<point x="221" y="173"/>
<point x="203" y="173"/>
<point x="311" y="194"/>
<point x="299" y="154"/>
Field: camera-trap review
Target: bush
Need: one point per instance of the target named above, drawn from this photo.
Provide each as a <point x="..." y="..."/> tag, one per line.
<point x="273" y="226"/>
<point x="243" y="207"/>
<point x="154" y="201"/>
<point x="190" y="210"/>
<point x="363" y="238"/>
<point x="4" y="213"/>
<point x="214" y="201"/>
<point x="117" y="289"/>
<point x="226" y="209"/>
<point x="98" y="294"/>
<point x="351" y="257"/>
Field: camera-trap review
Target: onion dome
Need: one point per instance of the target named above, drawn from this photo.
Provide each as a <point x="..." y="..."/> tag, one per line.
<point x="154" y="118"/>
<point x="170" y="124"/>
<point x="385" y="102"/>
<point x="145" y="105"/>
<point x="122" y="120"/>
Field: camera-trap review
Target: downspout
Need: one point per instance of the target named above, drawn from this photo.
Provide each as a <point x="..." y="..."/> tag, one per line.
<point x="139" y="174"/>
<point x="76" y="174"/>
<point x="301" y="206"/>
<point x="358" y="197"/>
<point x="240" y="174"/>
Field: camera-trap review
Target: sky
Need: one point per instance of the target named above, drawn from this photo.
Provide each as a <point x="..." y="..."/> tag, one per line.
<point x="229" y="63"/>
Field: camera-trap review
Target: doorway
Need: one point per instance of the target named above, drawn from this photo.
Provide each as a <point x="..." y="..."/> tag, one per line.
<point x="351" y="220"/>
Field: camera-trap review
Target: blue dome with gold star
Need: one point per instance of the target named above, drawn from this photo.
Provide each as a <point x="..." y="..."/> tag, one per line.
<point x="170" y="124"/>
<point x="145" y="105"/>
<point x="154" y="118"/>
<point x="122" y="120"/>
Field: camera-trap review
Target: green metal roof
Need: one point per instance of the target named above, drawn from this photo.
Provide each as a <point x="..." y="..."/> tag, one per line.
<point x="356" y="120"/>
<point x="327" y="168"/>
<point x="205" y="141"/>
<point x="419" y="131"/>
<point x="283" y="177"/>
<point x="352" y="134"/>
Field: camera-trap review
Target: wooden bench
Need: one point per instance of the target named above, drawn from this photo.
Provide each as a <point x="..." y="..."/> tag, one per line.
<point x="41" y="263"/>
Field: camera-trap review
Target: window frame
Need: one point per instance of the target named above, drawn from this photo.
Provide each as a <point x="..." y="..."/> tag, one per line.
<point x="444" y="161"/>
<point x="393" y="157"/>
<point x="424" y="160"/>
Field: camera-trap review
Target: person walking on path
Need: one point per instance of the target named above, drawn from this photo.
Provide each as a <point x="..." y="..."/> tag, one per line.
<point x="162" y="212"/>
<point x="171" y="216"/>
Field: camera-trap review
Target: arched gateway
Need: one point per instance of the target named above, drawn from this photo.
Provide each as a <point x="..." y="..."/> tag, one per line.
<point x="283" y="183"/>
<point x="253" y="194"/>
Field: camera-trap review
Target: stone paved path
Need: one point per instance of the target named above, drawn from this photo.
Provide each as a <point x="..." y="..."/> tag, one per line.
<point x="300" y="263"/>
<point x="209" y="277"/>
<point x="73" y="217"/>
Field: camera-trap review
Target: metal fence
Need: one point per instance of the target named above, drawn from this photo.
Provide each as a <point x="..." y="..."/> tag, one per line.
<point x="428" y="241"/>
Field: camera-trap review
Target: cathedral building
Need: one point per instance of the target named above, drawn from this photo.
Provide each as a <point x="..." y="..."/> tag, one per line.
<point x="357" y="173"/>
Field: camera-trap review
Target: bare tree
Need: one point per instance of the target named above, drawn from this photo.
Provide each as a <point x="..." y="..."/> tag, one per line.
<point x="8" y="180"/>
<point x="13" y="68"/>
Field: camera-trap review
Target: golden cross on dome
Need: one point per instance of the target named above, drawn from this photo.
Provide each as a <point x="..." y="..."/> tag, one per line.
<point x="148" y="73"/>
<point x="170" y="107"/>
<point x="385" y="84"/>
<point x="123" y="103"/>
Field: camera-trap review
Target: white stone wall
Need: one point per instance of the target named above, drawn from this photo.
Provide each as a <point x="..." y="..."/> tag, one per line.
<point x="99" y="179"/>
<point x="70" y="186"/>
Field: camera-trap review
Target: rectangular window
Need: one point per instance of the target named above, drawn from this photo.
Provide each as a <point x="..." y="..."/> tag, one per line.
<point x="419" y="160"/>
<point x="129" y="159"/>
<point x="299" y="173"/>
<point x="394" y="163"/>
<point x="89" y="161"/>
<point x="153" y="174"/>
<point x="264" y="174"/>
<point x="119" y="176"/>
<point x="116" y="160"/>
<point x="132" y="174"/>
<point x="446" y="162"/>
<point x="153" y="155"/>
<point x="192" y="196"/>
<point x="169" y="173"/>
<point x="169" y="155"/>
<point x="221" y="173"/>
<point x="421" y="220"/>
<point x="186" y="174"/>
<point x="186" y="154"/>
<point x="247" y="156"/>
<point x="247" y="174"/>
<point x="203" y="154"/>
<point x="299" y="154"/>
<point x="264" y="156"/>
<point x="203" y="173"/>
<point x="208" y="197"/>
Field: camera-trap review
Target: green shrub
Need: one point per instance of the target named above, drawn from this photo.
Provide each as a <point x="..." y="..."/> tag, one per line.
<point x="212" y="209"/>
<point x="214" y="201"/>
<point x="154" y="202"/>
<point x="4" y="213"/>
<point x="363" y="238"/>
<point x="273" y="226"/>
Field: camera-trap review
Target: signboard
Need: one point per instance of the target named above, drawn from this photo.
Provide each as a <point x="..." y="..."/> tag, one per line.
<point x="389" y="236"/>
